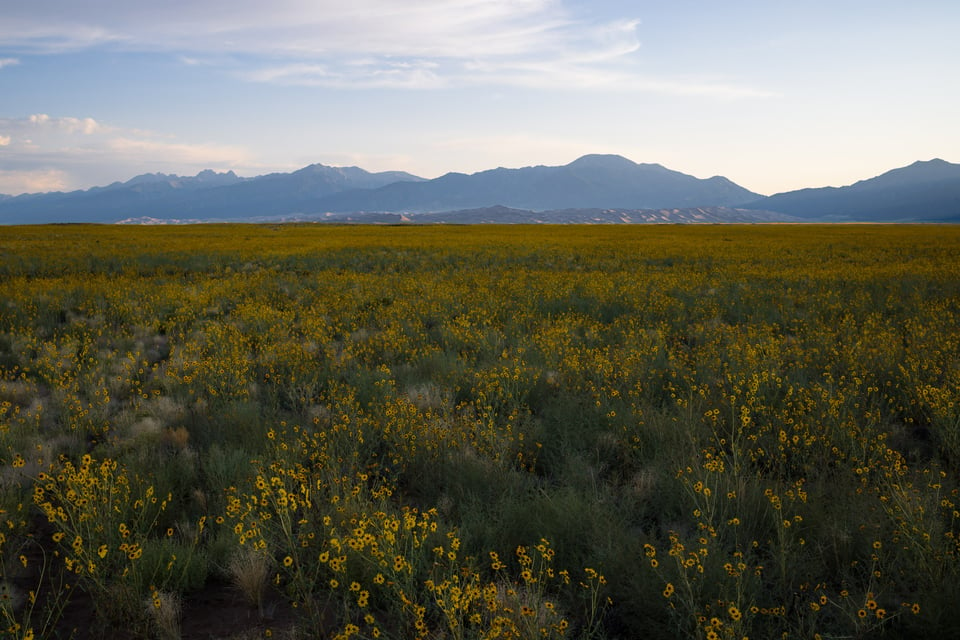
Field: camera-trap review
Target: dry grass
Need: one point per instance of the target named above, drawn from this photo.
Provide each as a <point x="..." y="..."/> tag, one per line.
<point x="249" y="570"/>
<point x="164" y="610"/>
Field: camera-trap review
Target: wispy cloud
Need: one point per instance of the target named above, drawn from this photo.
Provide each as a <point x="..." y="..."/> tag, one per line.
<point x="397" y="74"/>
<point x="415" y="44"/>
<point x="8" y="62"/>
<point x="465" y="44"/>
<point x="303" y="27"/>
<point x="42" y="153"/>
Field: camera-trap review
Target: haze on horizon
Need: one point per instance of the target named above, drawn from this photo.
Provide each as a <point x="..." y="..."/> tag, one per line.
<point x="775" y="96"/>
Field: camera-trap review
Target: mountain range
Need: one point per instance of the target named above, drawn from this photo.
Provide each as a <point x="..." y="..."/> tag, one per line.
<point x="593" y="188"/>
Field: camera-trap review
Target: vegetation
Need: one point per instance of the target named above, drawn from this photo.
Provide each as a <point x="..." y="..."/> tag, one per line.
<point x="482" y="432"/>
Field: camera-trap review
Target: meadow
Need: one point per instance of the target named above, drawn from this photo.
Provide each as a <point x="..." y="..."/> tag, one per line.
<point x="481" y="432"/>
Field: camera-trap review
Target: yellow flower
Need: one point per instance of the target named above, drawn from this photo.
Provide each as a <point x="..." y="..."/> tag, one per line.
<point x="102" y="551"/>
<point x="287" y="561"/>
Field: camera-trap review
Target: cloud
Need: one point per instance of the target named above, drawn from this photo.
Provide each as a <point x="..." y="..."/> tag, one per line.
<point x="357" y="74"/>
<point x="85" y="126"/>
<point x="360" y="44"/>
<point x="525" y="44"/>
<point x="41" y="152"/>
<point x="414" y="27"/>
<point x="414" y="44"/>
<point x="32" y="181"/>
<point x="8" y="62"/>
<point x="178" y="154"/>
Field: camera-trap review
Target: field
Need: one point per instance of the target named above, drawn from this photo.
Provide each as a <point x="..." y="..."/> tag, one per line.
<point x="480" y="432"/>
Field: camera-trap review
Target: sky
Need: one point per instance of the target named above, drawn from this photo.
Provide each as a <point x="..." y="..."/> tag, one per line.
<point x="773" y="95"/>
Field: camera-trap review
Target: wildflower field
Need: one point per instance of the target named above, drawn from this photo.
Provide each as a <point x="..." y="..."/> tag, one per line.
<point x="480" y="432"/>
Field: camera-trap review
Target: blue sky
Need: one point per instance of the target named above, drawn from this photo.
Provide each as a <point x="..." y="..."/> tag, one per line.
<point x="773" y="95"/>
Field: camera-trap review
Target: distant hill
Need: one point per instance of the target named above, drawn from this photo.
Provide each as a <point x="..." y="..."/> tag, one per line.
<point x="499" y="214"/>
<point x="923" y="191"/>
<point x="506" y="215"/>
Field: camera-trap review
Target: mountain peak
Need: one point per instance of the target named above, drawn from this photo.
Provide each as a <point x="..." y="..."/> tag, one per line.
<point x="603" y="161"/>
<point x="935" y="162"/>
<point x="146" y="178"/>
<point x="208" y="174"/>
<point x="935" y="170"/>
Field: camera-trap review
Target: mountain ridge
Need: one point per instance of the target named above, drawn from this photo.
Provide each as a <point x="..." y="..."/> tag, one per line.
<point x="591" y="181"/>
<point x="926" y="190"/>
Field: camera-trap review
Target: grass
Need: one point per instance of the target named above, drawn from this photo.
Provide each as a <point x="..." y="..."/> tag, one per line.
<point x="477" y="432"/>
